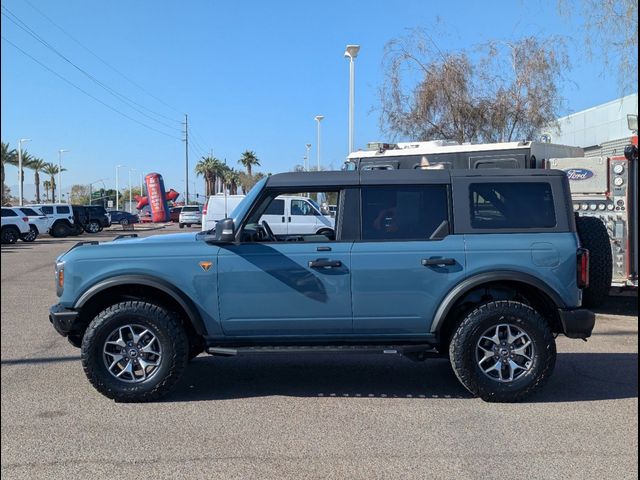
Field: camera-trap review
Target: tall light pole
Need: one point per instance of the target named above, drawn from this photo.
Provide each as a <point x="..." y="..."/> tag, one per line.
<point x="319" y="119"/>
<point x="60" y="152"/>
<point x="351" y="53"/>
<point x="118" y="167"/>
<point x="20" y="172"/>
<point x="307" y="158"/>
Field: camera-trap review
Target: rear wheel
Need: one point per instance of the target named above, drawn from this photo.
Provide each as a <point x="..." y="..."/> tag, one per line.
<point x="76" y="230"/>
<point x="92" y="227"/>
<point x="60" y="229"/>
<point x="124" y="221"/>
<point x="31" y="236"/>
<point x="595" y="238"/>
<point x="181" y="225"/>
<point x="503" y="351"/>
<point x="10" y="234"/>
<point x="134" y="351"/>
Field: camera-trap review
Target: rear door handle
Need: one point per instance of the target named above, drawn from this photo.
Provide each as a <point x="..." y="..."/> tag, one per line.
<point x="434" y="262"/>
<point x="325" y="263"/>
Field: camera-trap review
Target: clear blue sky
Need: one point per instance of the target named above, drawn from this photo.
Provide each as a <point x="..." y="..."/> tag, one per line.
<point x="251" y="75"/>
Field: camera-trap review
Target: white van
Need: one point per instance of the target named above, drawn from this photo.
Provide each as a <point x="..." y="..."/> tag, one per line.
<point x="217" y="208"/>
<point x="286" y="215"/>
<point x="291" y="215"/>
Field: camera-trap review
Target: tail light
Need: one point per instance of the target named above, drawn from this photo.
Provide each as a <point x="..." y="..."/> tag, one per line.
<point x="583" y="267"/>
<point x="25" y="219"/>
<point x="204" y="210"/>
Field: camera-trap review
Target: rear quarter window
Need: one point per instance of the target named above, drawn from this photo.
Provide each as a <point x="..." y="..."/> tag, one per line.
<point x="63" y="209"/>
<point x="511" y="205"/>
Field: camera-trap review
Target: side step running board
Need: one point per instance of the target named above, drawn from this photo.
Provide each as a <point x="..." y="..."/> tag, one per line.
<point x="417" y="352"/>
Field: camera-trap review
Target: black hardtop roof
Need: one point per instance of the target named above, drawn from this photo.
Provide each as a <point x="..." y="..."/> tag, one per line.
<point x="397" y="177"/>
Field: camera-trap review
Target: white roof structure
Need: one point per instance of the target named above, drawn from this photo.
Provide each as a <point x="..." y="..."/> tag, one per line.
<point x="597" y="125"/>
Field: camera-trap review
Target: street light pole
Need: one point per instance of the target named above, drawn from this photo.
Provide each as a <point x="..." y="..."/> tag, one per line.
<point x="319" y="119"/>
<point x="20" y="172"/>
<point x="118" y="167"/>
<point x="351" y="53"/>
<point x="60" y="152"/>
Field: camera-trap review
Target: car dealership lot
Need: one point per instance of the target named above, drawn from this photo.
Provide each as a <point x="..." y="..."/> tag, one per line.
<point x="322" y="416"/>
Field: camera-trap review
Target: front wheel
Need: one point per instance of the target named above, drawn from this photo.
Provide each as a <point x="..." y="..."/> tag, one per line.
<point x="503" y="351"/>
<point x="134" y="351"/>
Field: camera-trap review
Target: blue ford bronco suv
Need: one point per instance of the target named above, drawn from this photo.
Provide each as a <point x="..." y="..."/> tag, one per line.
<point x="482" y="266"/>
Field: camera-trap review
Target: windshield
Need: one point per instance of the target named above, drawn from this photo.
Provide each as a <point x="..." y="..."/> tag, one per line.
<point x="241" y="209"/>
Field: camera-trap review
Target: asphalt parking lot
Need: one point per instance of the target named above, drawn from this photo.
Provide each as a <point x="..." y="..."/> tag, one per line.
<point x="345" y="416"/>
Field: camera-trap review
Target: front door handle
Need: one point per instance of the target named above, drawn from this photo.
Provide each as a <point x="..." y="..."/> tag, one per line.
<point x="325" y="263"/>
<point x="438" y="262"/>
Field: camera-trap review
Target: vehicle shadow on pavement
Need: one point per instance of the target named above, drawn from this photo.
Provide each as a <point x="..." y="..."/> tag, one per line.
<point x="619" y="305"/>
<point x="577" y="377"/>
<point x="38" y="360"/>
<point x="581" y="377"/>
<point x="358" y="376"/>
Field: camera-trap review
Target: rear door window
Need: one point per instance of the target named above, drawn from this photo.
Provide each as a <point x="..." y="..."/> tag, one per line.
<point x="407" y="212"/>
<point x="511" y="205"/>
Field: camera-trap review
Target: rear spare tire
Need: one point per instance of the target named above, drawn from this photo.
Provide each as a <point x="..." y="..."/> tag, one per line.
<point x="595" y="238"/>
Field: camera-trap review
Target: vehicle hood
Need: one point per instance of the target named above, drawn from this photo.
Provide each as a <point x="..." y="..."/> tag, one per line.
<point x="132" y="247"/>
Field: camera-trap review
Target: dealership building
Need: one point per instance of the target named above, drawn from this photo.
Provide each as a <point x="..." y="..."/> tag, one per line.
<point x="601" y="130"/>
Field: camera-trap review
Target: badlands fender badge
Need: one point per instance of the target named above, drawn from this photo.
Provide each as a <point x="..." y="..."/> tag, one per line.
<point x="206" y="265"/>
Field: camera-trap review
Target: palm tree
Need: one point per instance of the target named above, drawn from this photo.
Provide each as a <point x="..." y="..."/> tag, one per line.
<point x="9" y="157"/>
<point x="231" y="179"/>
<point x="52" y="170"/>
<point x="210" y="168"/>
<point x="47" y="186"/>
<point x="37" y="164"/>
<point x="248" y="160"/>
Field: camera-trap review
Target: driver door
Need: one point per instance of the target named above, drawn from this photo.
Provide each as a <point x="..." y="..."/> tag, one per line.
<point x="298" y="288"/>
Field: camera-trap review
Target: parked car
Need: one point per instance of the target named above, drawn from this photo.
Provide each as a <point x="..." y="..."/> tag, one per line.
<point x="38" y="223"/>
<point x="484" y="267"/>
<point x="97" y="219"/>
<point x="61" y="217"/>
<point x="15" y="224"/>
<point x="190" y="215"/>
<point x="123" y="218"/>
<point x="174" y="214"/>
<point x="218" y="207"/>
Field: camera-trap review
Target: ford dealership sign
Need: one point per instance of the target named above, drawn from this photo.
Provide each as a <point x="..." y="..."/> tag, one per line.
<point x="579" y="173"/>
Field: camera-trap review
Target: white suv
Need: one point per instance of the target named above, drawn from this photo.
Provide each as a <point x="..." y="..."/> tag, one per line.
<point x="14" y="225"/>
<point x="60" y="217"/>
<point x="39" y="223"/>
<point x="190" y="215"/>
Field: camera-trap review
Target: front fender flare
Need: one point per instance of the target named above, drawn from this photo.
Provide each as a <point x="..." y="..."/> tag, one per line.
<point x="174" y="292"/>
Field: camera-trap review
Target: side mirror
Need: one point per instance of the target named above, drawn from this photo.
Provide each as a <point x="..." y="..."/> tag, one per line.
<point x="225" y="231"/>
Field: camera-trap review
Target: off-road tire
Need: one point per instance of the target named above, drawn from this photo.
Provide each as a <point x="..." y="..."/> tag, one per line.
<point x="462" y="351"/>
<point x="10" y="234"/>
<point x="181" y="225"/>
<point x="163" y="324"/>
<point x="595" y="238"/>
<point x="31" y="236"/>
<point x="60" y="230"/>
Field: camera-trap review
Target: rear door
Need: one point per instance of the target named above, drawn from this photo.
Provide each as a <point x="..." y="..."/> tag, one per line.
<point x="407" y="259"/>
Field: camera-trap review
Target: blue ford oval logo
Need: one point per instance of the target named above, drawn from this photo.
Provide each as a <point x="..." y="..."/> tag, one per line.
<point x="579" y="173"/>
